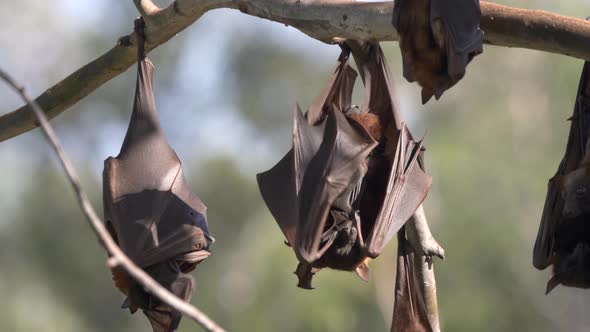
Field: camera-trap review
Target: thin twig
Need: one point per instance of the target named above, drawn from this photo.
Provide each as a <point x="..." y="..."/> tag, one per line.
<point x="324" y="20"/>
<point x="118" y="258"/>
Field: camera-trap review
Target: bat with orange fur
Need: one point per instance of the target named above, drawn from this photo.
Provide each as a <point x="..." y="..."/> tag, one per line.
<point x="353" y="177"/>
<point x="438" y="38"/>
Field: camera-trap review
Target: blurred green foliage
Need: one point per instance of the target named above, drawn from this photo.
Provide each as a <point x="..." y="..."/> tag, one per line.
<point x="226" y="97"/>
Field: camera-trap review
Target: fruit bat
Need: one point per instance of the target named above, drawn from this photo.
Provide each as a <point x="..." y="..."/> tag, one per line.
<point x="150" y="209"/>
<point x="437" y="39"/>
<point x="563" y="239"/>
<point x="353" y="177"/>
<point x="409" y="313"/>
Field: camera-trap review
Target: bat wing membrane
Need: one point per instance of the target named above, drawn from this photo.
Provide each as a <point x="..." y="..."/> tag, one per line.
<point x="341" y="154"/>
<point x="280" y="185"/>
<point x="407" y="187"/>
<point x="331" y="91"/>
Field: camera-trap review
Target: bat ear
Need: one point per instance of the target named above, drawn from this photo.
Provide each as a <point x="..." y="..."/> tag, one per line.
<point x="128" y="305"/>
<point x="559" y="180"/>
<point x="363" y="271"/>
<point x="426" y="95"/>
<point x="552" y="283"/>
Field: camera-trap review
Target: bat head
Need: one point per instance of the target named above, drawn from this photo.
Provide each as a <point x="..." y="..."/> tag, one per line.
<point x="575" y="191"/>
<point x="162" y="317"/>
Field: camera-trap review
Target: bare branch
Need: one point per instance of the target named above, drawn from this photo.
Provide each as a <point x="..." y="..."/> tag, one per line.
<point x="325" y="20"/>
<point x="117" y="256"/>
<point x="146" y="8"/>
<point x="425" y="246"/>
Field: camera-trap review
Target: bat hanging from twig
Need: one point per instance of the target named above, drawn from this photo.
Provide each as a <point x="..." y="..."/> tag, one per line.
<point x="438" y="38"/>
<point x="353" y="177"/>
<point x="563" y="239"/>
<point x="150" y="209"/>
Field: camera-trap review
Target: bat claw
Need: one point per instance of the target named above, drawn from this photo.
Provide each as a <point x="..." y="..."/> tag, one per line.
<point x="426" y="95"/>
<point x="431" y="248"/>
<point x="551" y="284"/>
<point x="125" y="303"/>
<point x="305" y="274"/>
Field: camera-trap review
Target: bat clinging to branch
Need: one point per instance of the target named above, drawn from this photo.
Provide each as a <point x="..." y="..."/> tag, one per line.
<point x="150" y="209"/>
<point x="353" y="177"/>
<point x="438" y="38"/>
<point x="563" y="239"/>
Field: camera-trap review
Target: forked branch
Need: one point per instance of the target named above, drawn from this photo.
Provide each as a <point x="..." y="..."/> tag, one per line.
<point x="117" y="257"/>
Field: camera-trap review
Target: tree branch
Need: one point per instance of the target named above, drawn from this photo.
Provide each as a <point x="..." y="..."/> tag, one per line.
<point x="118" y="258"/>
<point x="425" y="247"/>
<point x="324" y="20"/>
<point x="146" y="8"/>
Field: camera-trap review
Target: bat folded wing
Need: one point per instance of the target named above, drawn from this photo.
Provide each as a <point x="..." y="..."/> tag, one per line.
<point x="545" y="243"/>
<point x="337" y="90"/>
<point x="338" y="161"/>
<point x="279" y="185"/>
<point x="407" y="187"/>
<point x="409" y="314"/>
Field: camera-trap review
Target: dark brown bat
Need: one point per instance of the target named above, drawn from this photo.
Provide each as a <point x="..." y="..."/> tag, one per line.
<point x="150" y="209"/>
<point x="353" y="177"/>
<point x="409" y="313"/>
<point x="438" y="38"/>
<point x="563" y="239"/>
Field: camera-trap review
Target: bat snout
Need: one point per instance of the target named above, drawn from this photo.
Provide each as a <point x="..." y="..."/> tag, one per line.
<point x="569" y="212"/>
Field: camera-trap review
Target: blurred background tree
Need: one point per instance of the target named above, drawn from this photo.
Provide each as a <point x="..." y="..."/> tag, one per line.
<point x="226" y="96"/>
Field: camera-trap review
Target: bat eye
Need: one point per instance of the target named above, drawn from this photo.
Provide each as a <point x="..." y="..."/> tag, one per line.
<point x="581" y="192"/>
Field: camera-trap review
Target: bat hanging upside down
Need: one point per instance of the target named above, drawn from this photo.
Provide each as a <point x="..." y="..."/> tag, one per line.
<point x="437" y="39"/>
<point x="150" y="209"/>
<point x="353" y="177"/>
<point x="564" y="234"/>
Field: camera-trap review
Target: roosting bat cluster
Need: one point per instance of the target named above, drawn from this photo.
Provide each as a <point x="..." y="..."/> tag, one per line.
<point x="352" y="180"/>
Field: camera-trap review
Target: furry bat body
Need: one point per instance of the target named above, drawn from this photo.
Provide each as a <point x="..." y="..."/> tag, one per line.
<point x="563" y="239"/>
<point x="437" y="40"/>
<point x="150" y="209"/>
<point x="353" y="177"/>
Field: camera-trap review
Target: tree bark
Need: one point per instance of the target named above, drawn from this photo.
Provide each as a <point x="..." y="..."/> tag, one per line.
<point x="325" y="20"/>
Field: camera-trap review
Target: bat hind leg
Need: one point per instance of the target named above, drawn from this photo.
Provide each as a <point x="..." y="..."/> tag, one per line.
<point x="305" y="274"/>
